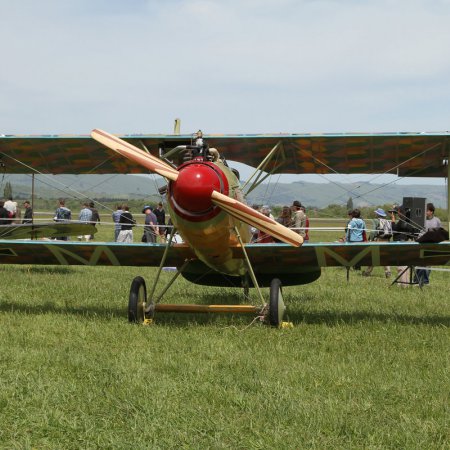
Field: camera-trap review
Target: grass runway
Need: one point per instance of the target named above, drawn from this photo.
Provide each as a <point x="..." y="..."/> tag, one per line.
<point x="365" y="366"/>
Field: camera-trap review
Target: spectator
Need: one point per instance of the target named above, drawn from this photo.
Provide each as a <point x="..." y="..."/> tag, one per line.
<point x="349" y="218"/>
<point x="382" y="233"/>
<point x="28" y="215"/>
<point x="285" y="217"/>
<point x="161" y="218"/>
<point x="11" y="207"/>
<point x="95" y="216"/>
<point x="4" y="216"/>
<point x="86" y="217"/>
<point x="306" y="238"/>
<point x="355" y="228"/>
<point x="431" y="221"/>
<point x="150" y="227"/>
<point x="266" y="208"/>
<point x="116" y="217"/>
<point x="126" y="226"/>
<point x="299" y="219"/>
<point x="264" y="238"/>
<point x="62" y="214"/>
<point x="253" y="230"/>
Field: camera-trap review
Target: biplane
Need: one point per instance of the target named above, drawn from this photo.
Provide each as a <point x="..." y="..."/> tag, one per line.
<point x="207" y="207"/>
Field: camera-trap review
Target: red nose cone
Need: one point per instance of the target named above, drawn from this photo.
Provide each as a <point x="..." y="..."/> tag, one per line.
<point x="192" y="190"/>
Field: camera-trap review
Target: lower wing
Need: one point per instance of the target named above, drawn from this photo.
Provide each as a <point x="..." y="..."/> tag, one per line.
<point x="265" y="258"/>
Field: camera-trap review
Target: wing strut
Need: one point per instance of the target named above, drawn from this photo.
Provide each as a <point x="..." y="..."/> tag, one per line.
<point x="260" y="169"/>
<point x="250" y="268"/>
<point x="161" y="265"/>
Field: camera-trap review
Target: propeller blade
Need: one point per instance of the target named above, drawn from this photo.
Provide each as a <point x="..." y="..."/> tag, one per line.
<point x="256" y="219"/>
<point x="135" y="154"/>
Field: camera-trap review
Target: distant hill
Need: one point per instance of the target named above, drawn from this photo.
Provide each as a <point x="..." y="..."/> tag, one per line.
<point x="92" y="186"/>
<point x="140" y="187"/>
<point x="362" y="193"/>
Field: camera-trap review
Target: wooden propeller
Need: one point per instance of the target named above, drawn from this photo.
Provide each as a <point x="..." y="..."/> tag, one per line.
<point x="256" y="219"/>
<point x="233" y="207"/>
<point x="135" y="154"/>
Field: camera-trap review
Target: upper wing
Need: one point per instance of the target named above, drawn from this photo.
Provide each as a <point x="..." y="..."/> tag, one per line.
<point x="406" y="154"/>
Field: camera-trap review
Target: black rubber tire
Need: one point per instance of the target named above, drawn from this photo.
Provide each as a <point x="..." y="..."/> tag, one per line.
<point x="275" y="292"/>
<point x="138" y="295"/>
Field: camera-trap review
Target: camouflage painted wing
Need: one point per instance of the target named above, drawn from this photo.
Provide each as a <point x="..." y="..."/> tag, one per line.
<point x="406" y="154"/>
<point x="90" y="254"/>
<point x="45" y="230"/>
<point x="292" y="265"/>
<point x="265" y="257"/>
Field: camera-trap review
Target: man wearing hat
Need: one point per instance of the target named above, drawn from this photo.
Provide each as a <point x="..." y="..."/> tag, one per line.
<point x="151" y="225"/>
<point x="299" y="219"/>
<point x="382" y="232"/>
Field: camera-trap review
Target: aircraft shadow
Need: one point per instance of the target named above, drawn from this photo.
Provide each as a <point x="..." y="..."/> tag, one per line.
<point x="49" y="307"/>
<point x="226" y="299"/>
<point x="332" y="318"/>
<point x="329" y="318"/>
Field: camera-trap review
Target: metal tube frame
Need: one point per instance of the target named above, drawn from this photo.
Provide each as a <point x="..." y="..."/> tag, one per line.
<point x="249" y="266"/>
<point x="161" y="264"/>
<point x="259" y="170"/>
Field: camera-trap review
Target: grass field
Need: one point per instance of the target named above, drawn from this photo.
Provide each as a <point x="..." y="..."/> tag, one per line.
<point x="365" y="366"/>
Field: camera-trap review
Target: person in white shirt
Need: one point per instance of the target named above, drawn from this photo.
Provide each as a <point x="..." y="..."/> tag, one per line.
<point x="423" y="275"/>
<point x="11" y="207"/>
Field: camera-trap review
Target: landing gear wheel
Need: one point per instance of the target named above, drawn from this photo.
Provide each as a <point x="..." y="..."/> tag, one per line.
<point x="136" y="301"/>
<point x="276" y="304"/>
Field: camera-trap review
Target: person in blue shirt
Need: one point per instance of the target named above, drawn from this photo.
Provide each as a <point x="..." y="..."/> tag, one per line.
<point x="356" y="228"/>
<point x="62" y="214"/>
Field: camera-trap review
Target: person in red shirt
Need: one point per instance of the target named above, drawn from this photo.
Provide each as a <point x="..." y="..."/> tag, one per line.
<point x="264" y="238"/>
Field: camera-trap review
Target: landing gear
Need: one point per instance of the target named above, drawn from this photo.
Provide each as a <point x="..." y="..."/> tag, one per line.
<point x="276" y="304"/>
<point x="141" y="310"/>
<point x="136" y="301"/>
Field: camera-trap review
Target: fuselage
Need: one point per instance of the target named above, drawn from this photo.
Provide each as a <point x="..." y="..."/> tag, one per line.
<point x="205" y="227"/>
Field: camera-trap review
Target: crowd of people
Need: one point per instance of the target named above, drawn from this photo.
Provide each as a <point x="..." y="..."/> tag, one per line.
<point x="290" y="216"/>
<point x="154" y="229"/>
<point x="10" y="213"/>
<point x="154" y="224"/>
<point x="398" y="227"/>
<point x="394" y="225"/>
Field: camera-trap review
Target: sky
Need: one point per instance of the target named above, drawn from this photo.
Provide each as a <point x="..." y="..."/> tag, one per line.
<point x="228" y="66"/>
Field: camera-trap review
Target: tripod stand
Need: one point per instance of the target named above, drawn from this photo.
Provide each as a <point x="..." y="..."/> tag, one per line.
<point x="413" y="278"/>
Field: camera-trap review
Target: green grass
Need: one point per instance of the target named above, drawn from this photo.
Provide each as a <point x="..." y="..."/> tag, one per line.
<point x="365" y="366"/>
